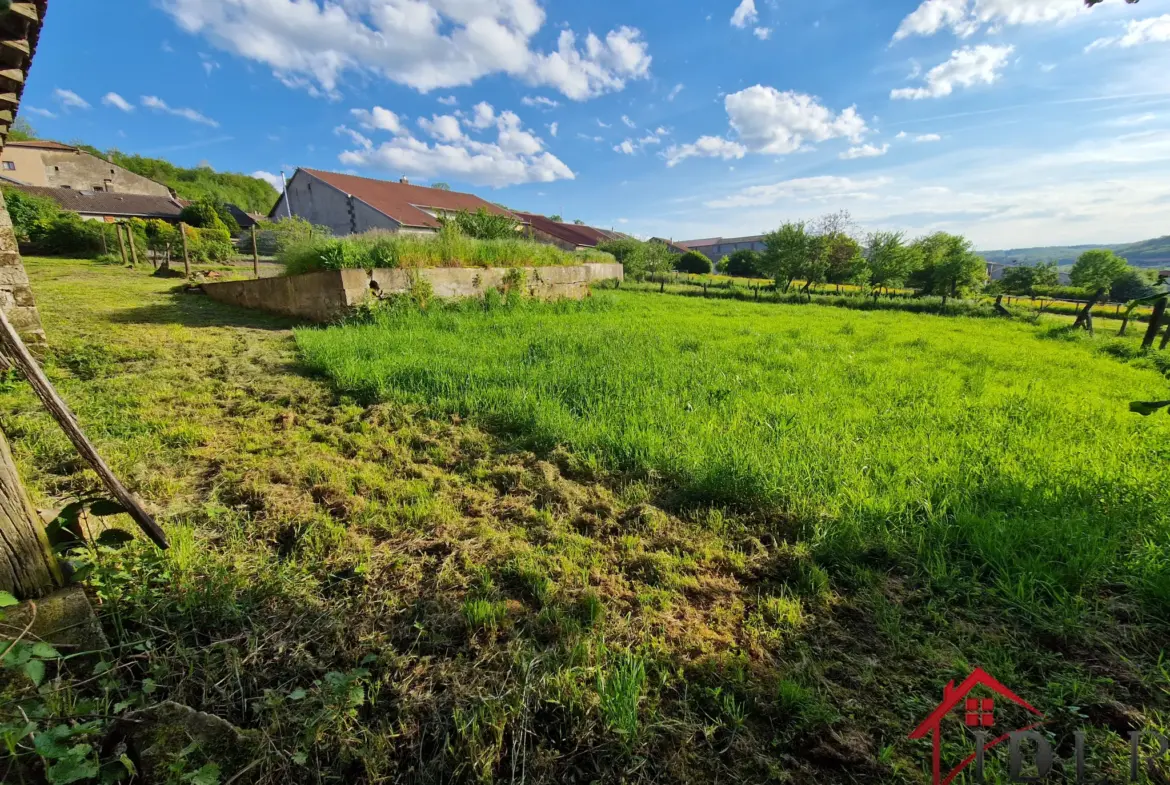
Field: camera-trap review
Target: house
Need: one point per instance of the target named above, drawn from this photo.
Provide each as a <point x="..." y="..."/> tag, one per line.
<point x="676" y="248"/>
<point x="110" y="207"/>
<point x="244" y="219"/>
<point x="349" y="204"/>
<point x="715" y="248"/>
<point x="55" y="165"/>
<point x="569" y="237"/>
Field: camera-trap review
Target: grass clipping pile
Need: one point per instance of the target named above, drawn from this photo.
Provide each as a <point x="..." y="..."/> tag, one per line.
<point x="379" y="592"/>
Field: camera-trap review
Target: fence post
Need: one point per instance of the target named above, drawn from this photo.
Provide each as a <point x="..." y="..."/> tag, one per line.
<point x="255" y="254"/>
<point x="133" y="249"/>
<point x="186" y="253"/>
<point x="105" y="246"/>
<point x="1155" y="323"/>
<point x="121" y="244"/>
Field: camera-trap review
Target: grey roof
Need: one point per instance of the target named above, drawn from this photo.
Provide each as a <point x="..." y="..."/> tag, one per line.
<point x="755" y="238"/>
<point x="112" y="204"/>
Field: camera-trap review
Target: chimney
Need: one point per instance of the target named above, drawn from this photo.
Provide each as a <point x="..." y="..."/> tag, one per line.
<point x="404" y="181"/>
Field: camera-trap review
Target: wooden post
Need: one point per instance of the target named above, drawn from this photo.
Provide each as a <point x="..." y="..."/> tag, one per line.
<point x="105" y="246"/>
<point x="1084" y="315"/>
<point x="133" y="247"/>
<point x="28" y="569"/>
<point x="1155" y="323"/>
<point x="186" y="252"/>
<point x="1165" y="340"/>
<point x="255" y="254"/>
<point x="121" y="244"/>
<point x="18" y="353"/>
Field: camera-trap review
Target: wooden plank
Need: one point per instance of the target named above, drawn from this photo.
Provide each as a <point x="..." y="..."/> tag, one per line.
<point x="18" y="44"/>
<point x="13" y="75"/>
<point x="5" y="116"/>
<point x="20" y="356"/>
<point x="27" y="10"/>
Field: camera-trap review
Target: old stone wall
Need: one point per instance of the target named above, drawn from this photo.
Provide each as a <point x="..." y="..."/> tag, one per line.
<point x="84" y="172"/>
<point x="327" y="296"/>
<point x="16" y="297"/>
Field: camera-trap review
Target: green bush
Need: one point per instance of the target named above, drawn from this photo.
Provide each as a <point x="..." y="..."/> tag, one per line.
<point x="693" y="262"/>
<point x="483" y="225"/>
<point x="746" y="264"/>
<point x="1062" y="292"/>
<point x="29" y="213"/>
<point x="203" y="214"/>
<point x="447" y="248"/>
<point x="67" y="235"/>
<point x="639" y="259"/>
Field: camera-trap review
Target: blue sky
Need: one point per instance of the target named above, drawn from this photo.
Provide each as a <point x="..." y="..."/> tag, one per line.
<point x="1016" y="122"/>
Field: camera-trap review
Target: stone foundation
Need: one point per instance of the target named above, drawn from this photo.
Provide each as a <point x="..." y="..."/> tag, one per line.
<point x="16" y="297"/>
<point x="330" y="295"/>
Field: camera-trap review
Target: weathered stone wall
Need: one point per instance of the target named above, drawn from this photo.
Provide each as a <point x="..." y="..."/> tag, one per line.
<point x="84" y="172"/>
<point x="327" y="296"/>
<point x="16" y="297"/>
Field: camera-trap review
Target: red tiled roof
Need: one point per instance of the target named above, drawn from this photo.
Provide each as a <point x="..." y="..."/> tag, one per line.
<point x="111" y="204"/>
<point x="403" y="202"/>
<point x="43" y="145"/>
<point x="577" y="234"/>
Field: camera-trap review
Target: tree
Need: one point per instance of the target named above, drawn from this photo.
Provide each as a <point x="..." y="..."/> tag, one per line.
<point x="30" y="214"/>
<point x="556" y="217"/>
<point x="203" y="214"/>
<point x="1025" y="279"/>
<point x="745" y="263"/>
<point x="1097" y="269"/>
<point x="441" y="186"/>
<point x="845" y="262"/>
<point x="693" y="262"/>
<point x="890" y="260"/>
<point x="1134" y="284"/>
<point x="787" y="254"/>
<point x="22" y="131"/>
<point x="638" y="258"/>
<point x="949" y="266"/>
<point x="578" y="222"/>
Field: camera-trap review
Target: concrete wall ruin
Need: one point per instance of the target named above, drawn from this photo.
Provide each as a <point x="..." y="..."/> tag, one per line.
<point x="327" y="296"/>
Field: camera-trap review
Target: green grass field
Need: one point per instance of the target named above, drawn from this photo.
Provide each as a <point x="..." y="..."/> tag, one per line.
<point x="984" y="446"/>
<point x="649" y="539"/>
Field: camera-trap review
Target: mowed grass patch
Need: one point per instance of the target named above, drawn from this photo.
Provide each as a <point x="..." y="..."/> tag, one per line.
<point x="953" y="441"/>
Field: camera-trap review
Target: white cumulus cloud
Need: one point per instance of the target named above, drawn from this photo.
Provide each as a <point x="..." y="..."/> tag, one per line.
<point x="378" y="119"/>
<point x="762" y="33"/>
<point x="964" y="18"/>
<point x="968" y="66"/>
<point x="705" y="147"/>
<point x="270" y="178"/>
<point x="745" y="14"/>
<point x="516" y="156"/>
<point x="804" y="189"/>
<point x="423" y="44"/>
<point x="159" y="105"/>
<point x="539" y="101"/>
<point x="118" y="102"/>
<point x="864" y="151"/>
<point x="1155" y="30"/>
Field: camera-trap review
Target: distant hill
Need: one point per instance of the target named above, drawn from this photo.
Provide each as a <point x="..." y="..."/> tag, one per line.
<point x="1147" y="253"/>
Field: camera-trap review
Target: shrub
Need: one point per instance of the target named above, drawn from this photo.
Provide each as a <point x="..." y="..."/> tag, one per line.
<point x="29" y="213"/>
<point x="68" y="235"/>
<point x="1062" y="292"/>
<point x="483" y="225"/>
<point x="203" y="214"/>
<point x="746" y="264"/>
<point x="447" y="248"/>
<point x="693" y="262"/>
<point x="639" y="259"/>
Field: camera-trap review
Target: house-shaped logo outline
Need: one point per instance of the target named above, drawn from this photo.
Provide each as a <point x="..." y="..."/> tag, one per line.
<point x="952" y="697"/>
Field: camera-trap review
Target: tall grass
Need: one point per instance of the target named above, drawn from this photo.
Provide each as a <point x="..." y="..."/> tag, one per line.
<point x="962" y="444"/>
<point x="446" y="248"/>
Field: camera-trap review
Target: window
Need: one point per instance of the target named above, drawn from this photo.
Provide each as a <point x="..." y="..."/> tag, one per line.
<point x="10" y="166"/>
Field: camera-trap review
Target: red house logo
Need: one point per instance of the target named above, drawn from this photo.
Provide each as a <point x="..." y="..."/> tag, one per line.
<point x="977" y="713"/>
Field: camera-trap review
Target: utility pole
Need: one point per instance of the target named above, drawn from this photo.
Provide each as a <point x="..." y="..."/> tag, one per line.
<point x="287" y="199"/>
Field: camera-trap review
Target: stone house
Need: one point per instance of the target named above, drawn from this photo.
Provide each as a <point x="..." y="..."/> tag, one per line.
<point x="349" y="204"/>
<point x="55" y="165"/>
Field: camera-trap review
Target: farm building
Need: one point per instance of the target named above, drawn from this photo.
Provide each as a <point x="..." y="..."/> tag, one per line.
<point x="349" y="204"/>
<point x="55" y="165"/>
<point x="563" y="235"/>
<point x="110" y="207"/>
<point x="716" y="248"/>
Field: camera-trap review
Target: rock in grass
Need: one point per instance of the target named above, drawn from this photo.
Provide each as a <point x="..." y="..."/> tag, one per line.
<point x="155" y="739"/>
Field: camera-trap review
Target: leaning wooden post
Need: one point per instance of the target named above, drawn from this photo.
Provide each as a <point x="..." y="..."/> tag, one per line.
<point x="186" y="251"/>
<point x="18" y="353"/>
<point x="121" y="244"/>
<point x="255" y="254"/>
<point x="105" y="246"/>
<point x="1155" y="323"/>
<point x="133" y="246"/>
<point x="1165" y="340"/>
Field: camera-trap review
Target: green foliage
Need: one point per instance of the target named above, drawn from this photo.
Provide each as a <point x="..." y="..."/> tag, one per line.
<point x="1063" y="292"/>
<point x="205" y="214"/>
<point x="66" y="234"/>
<point x="446" y="248"/>
<point x="745" y="264"/>
<point x="1025" y="279"/>
<point x="789" y="249"/>
<point x="639" y="259"/>
<point x="482" y="225"/>
<point x="949" y="267"/>
<point x="620" y="685"/>
<point x="209" y="245"/>
<point x="22" y="131"/>
<point x="30" y="214"/>
<point x="890" y="260"/>
<point x="1133" y="284"/>
<point x="1097" y="269"/>
<point x="845" y="262"/>
<point x="694" y="263"/>
<point x="247" y="193"/>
